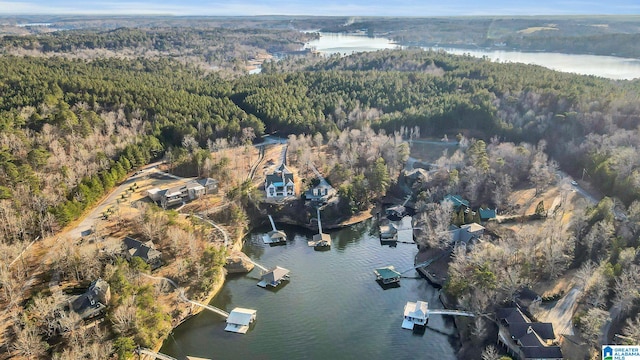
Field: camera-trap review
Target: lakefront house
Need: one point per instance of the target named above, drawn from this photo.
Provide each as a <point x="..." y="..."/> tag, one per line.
<point x="280" y="183"/>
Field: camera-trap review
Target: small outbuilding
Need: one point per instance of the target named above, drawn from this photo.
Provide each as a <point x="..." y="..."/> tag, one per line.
<point x="487" y="214"/>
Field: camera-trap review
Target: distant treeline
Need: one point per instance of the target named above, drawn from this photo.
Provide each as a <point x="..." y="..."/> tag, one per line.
<point x="600" y="35"/>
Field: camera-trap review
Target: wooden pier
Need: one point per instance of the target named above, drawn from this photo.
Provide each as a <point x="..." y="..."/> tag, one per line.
<point x="274" y="236"/>
<point x="416" y="314"/>
<point x="320" y="241"/>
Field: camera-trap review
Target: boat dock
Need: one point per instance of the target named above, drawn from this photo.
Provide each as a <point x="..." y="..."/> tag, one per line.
<point x="274" y="277"/>
<point x="239" y="320"/>
<point x="387" y="275"/>
<point x="274" y="236"/>
<point x="416" y="314"/>
<point x="320" y="241"/>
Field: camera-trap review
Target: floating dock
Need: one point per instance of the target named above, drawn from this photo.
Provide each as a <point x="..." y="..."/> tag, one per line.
<point x="239" y="320"/>
<point x="274" y="236"/>
<point x="274" y="277"/>
<point x="387" y="275"/>
<point x="320" y="240"/>
<point x="388" y="232"/>
<point x="415" y="313"/>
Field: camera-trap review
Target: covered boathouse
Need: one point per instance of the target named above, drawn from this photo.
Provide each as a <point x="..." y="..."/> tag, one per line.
<point x="274" y="277"/>
<point x="239" y="320"/>
<point x="387" y="275"/>
<point x="415" y="313"/>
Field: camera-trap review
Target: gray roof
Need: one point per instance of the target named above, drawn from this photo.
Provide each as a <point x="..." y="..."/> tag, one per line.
<point x="137" y="248"/>
<point x="542" y="352"/>
<point x="531" y="339"/>
<point x="275" y="274"/>
<point x="176" y="190"/>
<point x="207" y="182"/>
<point x="194" y="185"/>
<point x="240" y="316"/>
<point x="511" y="316"/>
<point x="285" y="170"/>
<point x="280" y="174"/>
<point x="544" y="330"/>
<point x="90" y="304"/>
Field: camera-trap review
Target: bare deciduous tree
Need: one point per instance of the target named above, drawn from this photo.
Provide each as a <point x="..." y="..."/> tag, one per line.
<point x="124" y="317"/>
<point x="27" y="342"/>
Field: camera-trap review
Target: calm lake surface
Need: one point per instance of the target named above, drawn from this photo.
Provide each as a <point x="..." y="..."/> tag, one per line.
<point x="331" y="309"/>
<point x="604" y="66"/>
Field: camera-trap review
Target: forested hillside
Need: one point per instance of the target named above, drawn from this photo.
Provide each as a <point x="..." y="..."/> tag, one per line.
<point x="66" y="122"/>
<point x="72" y="129"/>
<point x="590" y="124"/>
<point x="208" y="48"/>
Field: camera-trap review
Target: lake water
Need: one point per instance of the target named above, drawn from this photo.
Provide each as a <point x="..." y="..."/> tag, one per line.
<point x="331" y="309"/>
<point x="330" y="43"/>
<point x="604" y="66"/>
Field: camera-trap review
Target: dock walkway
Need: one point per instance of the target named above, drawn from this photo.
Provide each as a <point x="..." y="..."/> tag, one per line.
<point x="184" y="297"/>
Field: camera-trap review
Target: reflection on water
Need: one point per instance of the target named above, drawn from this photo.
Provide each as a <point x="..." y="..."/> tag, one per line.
<point x="330" y="43"/>
<point x="604" y="66"/>
<point x="332" y="308"/>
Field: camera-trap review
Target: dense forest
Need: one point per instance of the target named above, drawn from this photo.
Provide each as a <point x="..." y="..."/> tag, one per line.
<point x="57" y="112"/>
<point x="209" y="48"/>
<point x="73" y="128"/>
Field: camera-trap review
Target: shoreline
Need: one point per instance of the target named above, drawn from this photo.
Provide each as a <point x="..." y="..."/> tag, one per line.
<point x="237" y="245"/>
<point x="195" y="310"/>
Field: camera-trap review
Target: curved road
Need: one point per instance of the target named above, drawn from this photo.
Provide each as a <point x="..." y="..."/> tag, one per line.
<point x="96" y="213"/>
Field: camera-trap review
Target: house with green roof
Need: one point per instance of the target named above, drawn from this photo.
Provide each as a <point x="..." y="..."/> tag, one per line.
<point x="457" y="200"/>
<point x="486" y="214"/>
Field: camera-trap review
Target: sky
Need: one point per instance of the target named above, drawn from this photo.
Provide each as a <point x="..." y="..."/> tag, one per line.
<point x="321" y="7"/>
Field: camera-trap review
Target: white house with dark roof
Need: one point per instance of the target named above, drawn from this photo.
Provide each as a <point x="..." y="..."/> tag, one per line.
<point x="280" y="183"/>
<point x="320" y="193"/>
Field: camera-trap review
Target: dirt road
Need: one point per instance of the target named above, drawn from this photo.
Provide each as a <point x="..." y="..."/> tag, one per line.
<point x="561" y="313"/>
<point x="85" y="226"/>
